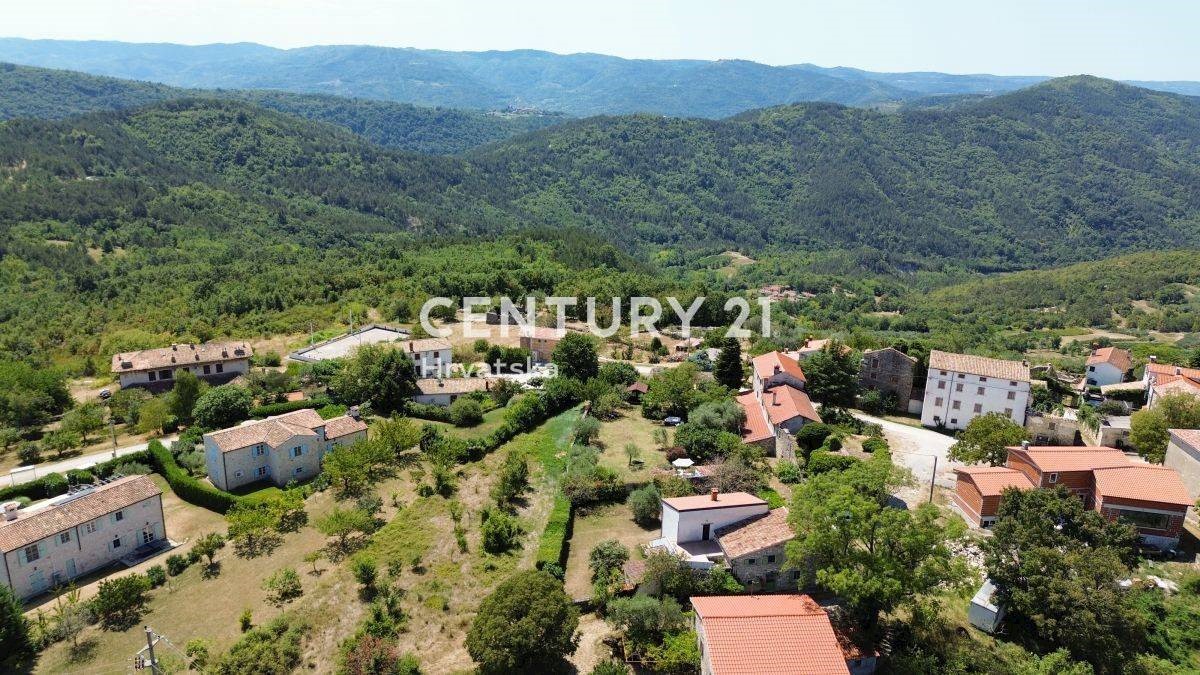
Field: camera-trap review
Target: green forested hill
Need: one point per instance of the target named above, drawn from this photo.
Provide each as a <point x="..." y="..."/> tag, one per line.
<point x="42" y="93"/>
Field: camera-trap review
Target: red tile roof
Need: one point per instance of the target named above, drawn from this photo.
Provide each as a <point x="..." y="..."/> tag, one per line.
<point x="1176" y="384"/>
<point x="432" y="386"/>
<point x="639" y="387"/>
<point x="777" y="634"/>
<point x="1143" y="482"/>
<point x="757" y="428"/>
<point x="178" y="356"/>
<point x="1168" y="369"/>
<point x="992" y="480"/>
<point x="766" y="365"/>
<point x="785" y="402"/>
<point x="276" y="430"/>
<point x="724" y="499"/>
<point x="50" y="520"/>
<point x="979" y="365"/>
<point x="1121" y="359"/>
<point x="755" y="534"/>
<point x="1189" y="436"/>
<point x="1068" y="458"/>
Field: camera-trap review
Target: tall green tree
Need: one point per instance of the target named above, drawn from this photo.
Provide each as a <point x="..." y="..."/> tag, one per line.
<point x="14" y="629"/>
<point x="728" y="369"/>
<point x="222" y="407"/>
<point x="576" y="358"/>
<point x="850" y="541"/>
<point x="832" y="375"/>
<point x="526" y="625"/>
<point x="986" y="438"/>
<point x="84" y="420"/>
<point x="184" y="394"/>
<point x="1149" y="427"/>
<point x="379" y="375"/>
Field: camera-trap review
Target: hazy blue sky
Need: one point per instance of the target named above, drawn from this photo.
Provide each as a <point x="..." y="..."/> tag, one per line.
<point x="1128" y="39"/>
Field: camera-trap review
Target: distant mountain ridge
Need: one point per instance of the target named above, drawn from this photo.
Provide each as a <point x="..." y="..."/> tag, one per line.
<point x="576" y="84"/>
<point x="43" y="93"/>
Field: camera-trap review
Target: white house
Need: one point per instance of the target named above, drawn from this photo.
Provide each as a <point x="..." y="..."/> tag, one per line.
<point x="690" y="524"/>
<point x="279" y="449"/>
<point x="961" y="387"/>
<point x="78" y="533"/>
<point x="1108" y="365"/>
<point x="155" y="368"/>
<point x="431" y="356"/>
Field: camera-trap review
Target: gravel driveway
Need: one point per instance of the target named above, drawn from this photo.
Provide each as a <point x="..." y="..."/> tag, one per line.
<point x="916" y="448"/>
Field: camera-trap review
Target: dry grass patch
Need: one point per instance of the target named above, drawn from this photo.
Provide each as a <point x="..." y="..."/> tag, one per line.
<point x="610" y="521"/>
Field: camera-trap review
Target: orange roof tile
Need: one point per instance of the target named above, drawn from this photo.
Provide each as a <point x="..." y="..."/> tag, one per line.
<point x="1168" y="369"/>
<point x="766" y="365"/>
<point x="785" y="402"/>
<point x="757" y="428"/>
<point x="1144" y="482"/>
<point x="1070" y="458"/>
<point x="1176" y="384"/>
<point x="276" y="430"/>
<point x="343" y="426"/>
<point x="992" y="480"/>
<point x="979" y="365"/>
<point x="1189" y="436"/>
<point x="50" y="520"/>
<point x="1121" y="359"/>
<point x="755" y="534"/>
<point x="178" y="356"/>
<point x="778" y="634"/>
<point x="432" y="386"/>
<point x="723" y="500"/>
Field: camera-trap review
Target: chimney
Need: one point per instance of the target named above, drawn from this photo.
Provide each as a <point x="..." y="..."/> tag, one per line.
<point x="1024" y="445"/>
<point x="1153" y="358"/>
<point x="487" y="385"/>
<point x="410" y="347"/>
<point x="10" y="510"/>
<point x="713" y="494"/>
<point x="774" y="397"/>
<point x="353" y="412"/>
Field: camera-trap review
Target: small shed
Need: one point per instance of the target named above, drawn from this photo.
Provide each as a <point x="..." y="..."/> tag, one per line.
<point x="635" y="391"/>
<point x="984" y="613"/>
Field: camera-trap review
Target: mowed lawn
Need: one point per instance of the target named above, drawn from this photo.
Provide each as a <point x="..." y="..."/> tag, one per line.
<point x="492" y="420"/>
<point x="443" y="585"/>
<point x="609" y="521"/>
<point x="631" y="427"/>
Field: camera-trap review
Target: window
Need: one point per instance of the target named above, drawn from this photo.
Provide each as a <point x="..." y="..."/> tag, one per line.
<point x="958" y="387"/>
<point x="32" y="553"/>
<point x="207" y="369"/>
<point x="299" y="470"/>
<point x="1052" y="425"/>
<point x="941" y="384"/>
<point x="956" y="404"/>
<point x="795" y="575"/>
<point x="90" y="528"/>
<point x="297" y="451"/>
<point x="770" y="558"/>
<point x="983" y="379"/>
<point x="220" y="367"/>
<point x="961" y="376"/>
<point x="116" y="542"/>
<point x="260" y="471"/>
<point x="147" y="536"/>
<point x="260" y="450"/>
<point x="1154" y="521"/>
<point x="751" y="561"/>
<point x="979" y="391"/>
<point x="1008" y="411"/>
<point x="978" y="408"/>
<point x="942" y="372"/>
<point x="64" y="538"/>
<point x="165" y="375"/>
<point x="238" y="474"/>
<point x="938" y="401"/>
<point x="1012" y="383"/>
<point x="152" y="376"/>
<point x="1091" y="369"/>
<point x="119" y="516"/>
<point x="1053" y="477"/>
<point x="953" y="420"/>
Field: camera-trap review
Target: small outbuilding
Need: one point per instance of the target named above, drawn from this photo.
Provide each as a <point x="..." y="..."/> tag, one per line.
<point x="984" y="613"/>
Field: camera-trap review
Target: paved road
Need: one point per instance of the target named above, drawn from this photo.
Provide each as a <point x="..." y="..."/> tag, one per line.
<point x="916" y="447"/>
<point x="26" y="474"/>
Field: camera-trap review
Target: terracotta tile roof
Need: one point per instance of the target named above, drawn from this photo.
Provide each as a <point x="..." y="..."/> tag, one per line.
<point x="757" y="428"/>
<point x="766" y="365"/>
<point x="785" y="402"/>
<point x="272" y="431"/>
<point x="343" y="426"/>
<point x="425" y="345"/>
<point x="1168" y="369"/>
<point x="724" y="500"/>
<point x="992" y="480"/>
<point x="1121" y="359"/>
<point x="979" y="365"/>
<point x="1189" y="436"/>
<point x="50" y="520"/>
<point x="1176" y="384"/>
<point x="178" y="356"/>
<point x="452" y="385"/>
<point x="778" y="634"/>
<point x="543" y="333"/>
<point x="755" y="534"/>
<point x="1068" y="458"/>
<point x="293" y="396"/>
<point x="639" y="387"/>
<point x="1144" y="482"/>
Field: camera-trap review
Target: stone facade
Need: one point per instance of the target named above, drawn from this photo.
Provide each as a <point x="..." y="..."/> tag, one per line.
<point x="888" y="370"/>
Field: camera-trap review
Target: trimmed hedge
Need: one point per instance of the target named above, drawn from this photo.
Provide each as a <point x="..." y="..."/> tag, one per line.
<point x="272" y="409"/>
<point x="553" y="546"/>
<point x="185" y="487"/>
<point x="823" y="461"/>
<point x="428" y="412"/>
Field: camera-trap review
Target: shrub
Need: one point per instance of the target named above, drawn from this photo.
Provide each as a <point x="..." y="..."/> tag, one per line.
<point x="176" y="564"/>
<point x="789" y="473"/>
<point x="465" y="412"/>
<point x="586" y="430"/>
<point x="283" y="587"/>
<point x="552" y="548"/>
<point x="365" y="570"/>
<point x="823" y="462"/>
<point x="500" y="531"/>
<point x="80" y="477"/>
<point x="812" y="436"/>
<point x="14" y="629"/>
<point x="610" y="667"/>
<point x="274" y="648"/>
<point x="222" y="406"/>
<point x="186" y="487"/>
<point x="246" y="620"/>
<point x="645" y="504"/>
<point x="119" y="602"/>
<point x="875" y="444"/>
<point x="157" y="576"/>
<point x="526" y="625"/>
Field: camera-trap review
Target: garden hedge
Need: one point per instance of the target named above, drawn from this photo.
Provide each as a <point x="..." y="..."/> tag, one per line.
<point x="54" y="484"/>
<point x="184" y="485"/>
<point x="553" y="546"/>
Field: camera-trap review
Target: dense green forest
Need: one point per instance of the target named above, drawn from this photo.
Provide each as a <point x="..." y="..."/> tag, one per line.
<point x="54" y="94"/>
<point x="200" y="218"/>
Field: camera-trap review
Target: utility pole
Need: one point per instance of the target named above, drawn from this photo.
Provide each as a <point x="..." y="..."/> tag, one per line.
<point x="150" y="650"/>
<point x="932" y="478"/>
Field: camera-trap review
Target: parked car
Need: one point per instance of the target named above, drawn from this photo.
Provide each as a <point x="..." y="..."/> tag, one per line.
<point x="672" y="421"/>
